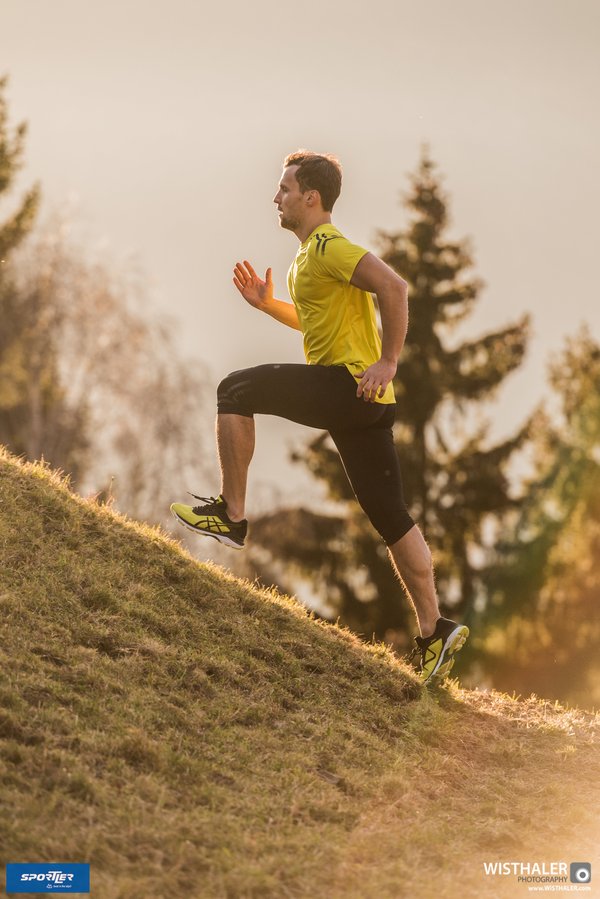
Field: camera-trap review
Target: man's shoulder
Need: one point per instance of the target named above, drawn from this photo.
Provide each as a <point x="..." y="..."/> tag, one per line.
<point x="324" y="239"/>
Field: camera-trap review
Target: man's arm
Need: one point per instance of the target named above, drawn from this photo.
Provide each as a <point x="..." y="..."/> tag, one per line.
<point x="373" y="275"/>
<point x="283" y="312"/>
<point x="259" y="293"/>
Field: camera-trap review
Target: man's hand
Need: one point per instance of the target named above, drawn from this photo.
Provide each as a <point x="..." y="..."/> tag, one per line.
<point x="254" y="290"/>
<point x="375" y="379"/>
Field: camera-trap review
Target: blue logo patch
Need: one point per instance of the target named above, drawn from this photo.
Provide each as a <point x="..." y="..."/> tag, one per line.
<point x="57" y="878"/>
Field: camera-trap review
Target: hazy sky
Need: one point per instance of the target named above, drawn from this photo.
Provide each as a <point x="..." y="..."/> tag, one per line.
<point x="162" y="125"/>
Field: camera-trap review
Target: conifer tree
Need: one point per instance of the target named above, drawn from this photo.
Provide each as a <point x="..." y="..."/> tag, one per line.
<point x="15" y="228"/>
<point x="454" y="479"/>
<point x="541" y="626"/>
<point x="30" y="389"/>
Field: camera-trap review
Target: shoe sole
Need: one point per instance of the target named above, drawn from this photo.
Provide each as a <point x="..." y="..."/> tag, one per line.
<point x="455" y="641"/>
<point x="221" y="538"/>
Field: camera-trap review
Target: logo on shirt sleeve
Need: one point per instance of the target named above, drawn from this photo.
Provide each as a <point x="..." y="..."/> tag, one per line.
<point x="323" y="240"/>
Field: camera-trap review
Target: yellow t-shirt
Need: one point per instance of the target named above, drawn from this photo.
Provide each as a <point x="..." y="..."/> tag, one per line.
<point x="337" y="319"/>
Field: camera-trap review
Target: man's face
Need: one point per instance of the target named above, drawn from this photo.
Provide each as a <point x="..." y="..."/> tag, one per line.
<point x="290" y="200"/>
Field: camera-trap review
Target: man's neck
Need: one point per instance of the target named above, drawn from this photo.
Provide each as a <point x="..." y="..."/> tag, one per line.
<point x="308" y="227"/>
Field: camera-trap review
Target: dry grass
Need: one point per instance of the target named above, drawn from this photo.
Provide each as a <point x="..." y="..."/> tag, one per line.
<point x="190" y="735"/>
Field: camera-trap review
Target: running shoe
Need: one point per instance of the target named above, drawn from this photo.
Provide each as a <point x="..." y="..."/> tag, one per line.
<point x="438" y="651"/>
<point x="212" y="520"/>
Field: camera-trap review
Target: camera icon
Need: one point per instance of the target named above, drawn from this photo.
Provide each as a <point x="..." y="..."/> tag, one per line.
<point x="581" y="872"/>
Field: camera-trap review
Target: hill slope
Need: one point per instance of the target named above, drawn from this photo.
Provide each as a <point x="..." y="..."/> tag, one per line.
<point x="190" y="735"/>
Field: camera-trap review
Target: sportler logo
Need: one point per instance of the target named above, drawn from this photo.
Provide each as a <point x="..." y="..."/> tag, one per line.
<point x="39" y="877"/>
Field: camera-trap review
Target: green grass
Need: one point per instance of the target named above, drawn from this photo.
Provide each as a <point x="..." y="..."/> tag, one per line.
<point x="192" y="736"/>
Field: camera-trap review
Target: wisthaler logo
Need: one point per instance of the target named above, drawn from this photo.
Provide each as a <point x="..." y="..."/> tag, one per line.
<point x="541" y="872"/>
<point x="42" y="878"/>
<point x="550" y="869"/>
<point x="581" y="872"/>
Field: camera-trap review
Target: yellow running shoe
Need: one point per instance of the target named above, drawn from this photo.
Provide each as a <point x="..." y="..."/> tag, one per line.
<point x="211" y="519"/>
<point x="438" y="650"/>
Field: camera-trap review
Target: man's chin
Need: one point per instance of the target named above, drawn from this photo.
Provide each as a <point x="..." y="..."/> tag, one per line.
<point x="288" y="224"/>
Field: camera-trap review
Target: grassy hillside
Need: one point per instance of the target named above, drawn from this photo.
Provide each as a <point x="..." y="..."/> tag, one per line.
<point x="192" y="736"/>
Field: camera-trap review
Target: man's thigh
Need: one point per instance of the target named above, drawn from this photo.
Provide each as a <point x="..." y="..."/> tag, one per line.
<point x="319" y="396"/>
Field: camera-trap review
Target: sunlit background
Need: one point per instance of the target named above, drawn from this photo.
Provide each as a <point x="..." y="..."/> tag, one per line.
<point x="157" y="132"/>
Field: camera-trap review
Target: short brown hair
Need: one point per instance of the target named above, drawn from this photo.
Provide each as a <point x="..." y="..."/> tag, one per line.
<point x="317" y="171"/>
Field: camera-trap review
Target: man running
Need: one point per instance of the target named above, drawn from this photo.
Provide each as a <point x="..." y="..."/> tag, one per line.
<point x="346" y="389"/>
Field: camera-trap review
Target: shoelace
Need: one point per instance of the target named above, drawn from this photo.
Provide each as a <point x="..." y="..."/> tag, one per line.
<point x="413" y="653"/>
<point x="212" y="503"/>
<point x="418" y="649"/>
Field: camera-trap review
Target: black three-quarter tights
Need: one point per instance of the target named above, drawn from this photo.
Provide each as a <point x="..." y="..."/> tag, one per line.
<point x="324" y="397"/>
